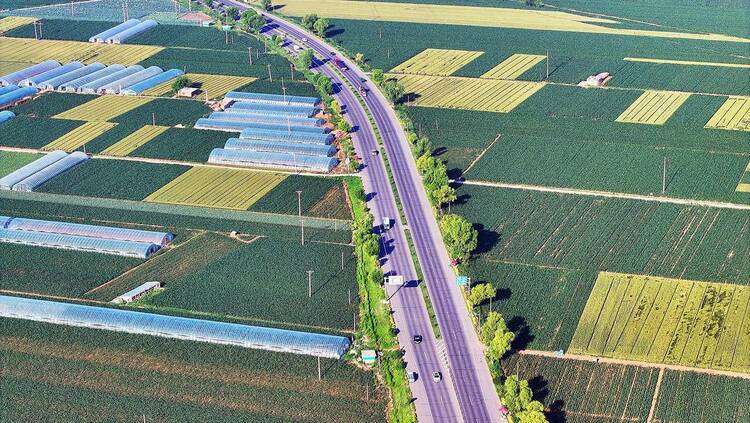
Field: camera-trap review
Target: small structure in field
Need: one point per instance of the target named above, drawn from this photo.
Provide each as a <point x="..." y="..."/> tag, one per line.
<point x="369" y="357"/>
<point x="188" y="92"/>
<point x="598" y="80"/>
<point x="137" y="293"/>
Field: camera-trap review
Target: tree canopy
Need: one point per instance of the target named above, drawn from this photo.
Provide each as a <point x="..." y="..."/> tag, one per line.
<point x="459" y="235"/>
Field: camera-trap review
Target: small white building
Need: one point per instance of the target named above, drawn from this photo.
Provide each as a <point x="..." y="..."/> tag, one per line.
<point x="188" y="92"/>
<point x="136" y="293"/>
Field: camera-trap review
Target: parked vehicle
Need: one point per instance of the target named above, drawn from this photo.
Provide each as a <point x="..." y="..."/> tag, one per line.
<point x="386" y="223"/>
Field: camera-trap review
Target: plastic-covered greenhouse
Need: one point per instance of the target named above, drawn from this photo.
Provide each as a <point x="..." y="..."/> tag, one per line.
<point x="240" y="96"/>
<point x="74" y="85"/>
<point x="234" y="126"/>
<point x="18" y="76"/>
<point x="53" y="83"/>
<point x="102" y="36"/>
<point x="24" y="172"/>
<point x="270" y="159"/>
<point x="52" y="73"/>
<point x="79" y="243"/>
<point x="275" y="135"/>
<point x="123" y="36"/>
<point x="91" y="231"/>
<point x="94" y="87"/>
<point x="280" y="147"/>
<point x="266" y="118"/>
<point x="276" y="109"/>
<point x="6" y="116"/>
<point x="141" y="323"/>
<point x="4" y="221"/>
<point x="11" y="98"/>
<point x="49" y="172"/>
<point x="8" y="88"/>
<point x="117" y="86"/>
<point x="144" y="85"/>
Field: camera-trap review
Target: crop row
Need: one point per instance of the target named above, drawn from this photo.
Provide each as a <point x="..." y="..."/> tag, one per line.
<point x="653" y="107"/>
<point x="79" y="136"/>
<point x="436" y="62"/>
<point x="35" y="51"/>
<point x="103" y="108"/>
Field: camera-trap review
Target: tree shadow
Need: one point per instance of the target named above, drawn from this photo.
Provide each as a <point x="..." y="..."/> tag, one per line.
<point x="455" y="173"/>
<point x="556" y="412"/>
<point x="333" y="31"/>
<point x="520" y="327"/>
<point x="486" y="240"/>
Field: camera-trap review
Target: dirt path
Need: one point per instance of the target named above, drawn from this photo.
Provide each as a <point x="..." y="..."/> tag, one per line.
<point x="610" y="194"/>
<point x="607" y="360"/>
<point x="651" y="411"/>
<point x="479" y="157"/>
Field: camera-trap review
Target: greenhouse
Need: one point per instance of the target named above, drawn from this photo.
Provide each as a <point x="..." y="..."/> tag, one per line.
<point x="270" y="159"/>
<point x="234" y="126"/>
<point x="74" y="85"/>
<point x="13" y="97"/>
<point x="4" y="221"/>
<point x="140" y="323"/>
<point x="102" y="36"/>
<point x="266" y="118"/>
<point x="276" y="135"/>
<point x="18" y="76"/>
<point x="123" y="36"/>
<point x="152" y="82"/>
<point x="79" y="243"/>
<point x="54" y="83"/>
<point x="40" y="177"/>
<point x="280" y="147"/>
<point x="52" y="73"/>
<point x="24" y="172"/>
<point x="278" y="109"/>
<point x="262" y="98"/>
<point x="6" y="116"/>
<point x="94" y="87"/>
<point x="8" y="88"/>
<point x="90" y="231"/>
<point x="117" y="86"/>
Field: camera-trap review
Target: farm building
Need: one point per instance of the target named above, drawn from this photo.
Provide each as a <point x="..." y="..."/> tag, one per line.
<point x="137" y="292"/>
<point x="286" y="136"/>
<point x="209" y="331"/>
<point x="103" y="36"/>
<point x="270" y="159"/>
<point x="263" y="98"/>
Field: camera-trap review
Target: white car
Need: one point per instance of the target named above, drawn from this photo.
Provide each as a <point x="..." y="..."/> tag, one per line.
<point x="436" y="377"/>
<point x="304" y="40"/>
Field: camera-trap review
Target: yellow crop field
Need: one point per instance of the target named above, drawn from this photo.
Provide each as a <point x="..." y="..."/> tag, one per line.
<point x="687" y="62"/>
<point x="103" y="108"/>
<point x="433" y="61"/>
<point x="138" y="138"/>
<point x="215" y="85"/>
<point x="12" y="22"/>
<point x="663" y="320"/>
<point x="514" y="66"/>
<point x="79" y="136"/>
<point x="494" y="17"/>
<point x="653" y="107"/>
<point x="216" y="187"/>
<point x="35" y="51"/>
<point x="744" y="185"/>
<point x="734" y="114"/>
<point x="452" y="92"/>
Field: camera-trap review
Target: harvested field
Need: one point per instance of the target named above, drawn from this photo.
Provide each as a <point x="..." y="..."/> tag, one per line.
<point x="653" y="107"/>
<point x="734" y="114"/>
<point x="744" y="185"/>
<point x="662" y="320"/>
<point x="466" y="93"/>
<point x="215" y="187"/>
<point x="436" y="62"/>
<point x="35" y="51"/>
<point x="213" y="85"/>
<point x="103" y="108"/>
<point x="514" y="66"/>
<point x="11" y="160"/>
<point x="10" y="67"/>
<point x="79" y="136"/>
<point x="135" y="140"/>
<point x="11" y="22"/>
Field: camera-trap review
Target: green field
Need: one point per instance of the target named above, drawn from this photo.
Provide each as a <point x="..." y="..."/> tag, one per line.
<point x="182" y="144"/>
<point x="663" y="320"/>
<point x="11" y="160"/>
<point x="721" y="398"/>
<point x="59" y="373"/>
<point x="51" y="104"/>
<point x="18" y="132"/>
<point x="320" y="197"/>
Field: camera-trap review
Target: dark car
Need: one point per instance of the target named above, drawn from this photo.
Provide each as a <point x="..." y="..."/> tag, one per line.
<point x="417" y="339"/>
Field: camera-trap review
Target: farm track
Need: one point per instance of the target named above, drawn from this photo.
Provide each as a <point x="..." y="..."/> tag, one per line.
<point x="579" y="357"/>
<point x="608" y="194"/>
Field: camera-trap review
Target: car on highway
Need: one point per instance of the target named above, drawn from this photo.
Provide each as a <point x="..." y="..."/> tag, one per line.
<point x="412" y="376"/>
<point x="417" y="339"/>
<point x="374" y="152"/>
<point x="304" y="40"/>
<point x="437" y="377"/>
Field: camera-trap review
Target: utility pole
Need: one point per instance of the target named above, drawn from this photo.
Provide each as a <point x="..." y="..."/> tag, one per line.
<point x="664" y="176"/>
<point x="342" y="264"/>
<point x="320" y="375"/>
<point x="302" y="227"/>
<point x="291" y="69"/>
<point x="250" y="55"/>
<point x="355" y="321"/>
<point x="547" y="77"/>
<point x="270" y="77"/>
<point x="309" y="283"/>
<point x="153" y="118"/>
<point x="71" y="8"/>
<point x="299" y="203"/>
<point x="350" y="295"/>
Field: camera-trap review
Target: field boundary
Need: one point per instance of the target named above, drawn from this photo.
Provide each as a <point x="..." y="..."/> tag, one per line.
<point x="655" y="400"/>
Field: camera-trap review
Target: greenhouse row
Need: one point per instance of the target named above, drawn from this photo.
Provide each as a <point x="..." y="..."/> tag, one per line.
<point x="36" y="173"/>
<point x="237" y="126"/>
<point x="276" y="109"/>
<point x="280" y="147"/>
<point x="6" y="116"/>
<point x="16" y="77"/>
<point x="152" y="82"/>
<point x="297" y="162"/>
<point x="80" y="237"/>
<point x="262" y="98"/>
<point x="275" y="119"/>
<point x="140" y="323"/>
<point x="122" y="32"/>
<point x="15" y="94"/>
<point x="297" y="137"/>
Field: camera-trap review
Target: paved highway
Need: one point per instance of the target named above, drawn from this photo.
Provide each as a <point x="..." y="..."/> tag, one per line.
<point x="467" y="392"/>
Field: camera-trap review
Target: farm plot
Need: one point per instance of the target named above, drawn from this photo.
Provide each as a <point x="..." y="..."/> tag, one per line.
<point x="687" y="62"/>
<point x="436" y="62"/>
<point x="28" y="132"/>
<point x="653" y="107"/>
<point x="466" y="93"/>
<point x="79" y="136"/>
<point x="12" y="22"/>
<point x="734" y="114"/>
<point x="213" y="86"/>
<point x="51" y="104"/>
<point x="320" y="197"/>
<point x="135" y="140"/>
<point x="61" y="29"/>
<point x="103" y="108"/>
<point x="662" y="320"/>
<point x="182" y="144"/>
<point x="514" y="66"/>
<point x="126" y="180"/>
<point x="11" y="160"/>
<point x="62" y="373"/>
<point x="35" y="51"/>
<point x="744" y="185"/>
<point x="583" y="391"/>
<point x="10" y="67"/>
<point x="217" y="187"/>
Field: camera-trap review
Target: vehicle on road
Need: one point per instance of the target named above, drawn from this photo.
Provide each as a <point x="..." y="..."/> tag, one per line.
<point x="417" y="339"/>
<point x="412" y="376"/>
<point x="386" y="223"/>
<point x="374" y="152"/>
<point x="304" y="40"/>
<point x="437" y="377"/>
<point x="339" y="63"/>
